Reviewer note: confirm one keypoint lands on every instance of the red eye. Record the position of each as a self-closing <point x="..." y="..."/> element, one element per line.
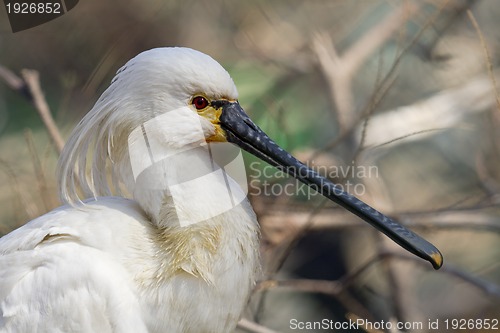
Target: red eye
<point x="200" y="102"/>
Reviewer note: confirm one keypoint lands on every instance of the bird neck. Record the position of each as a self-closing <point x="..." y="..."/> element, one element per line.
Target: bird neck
<point x="190" y="250"/>
<point x="186" y="187"/>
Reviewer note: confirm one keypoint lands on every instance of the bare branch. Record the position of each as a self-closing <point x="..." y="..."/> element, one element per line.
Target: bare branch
<point x="29" y="87"/>
<point x="486" y="55"/>
<point x="484" y="285"/>
<point x="12" y="80"/>
<point x="279" y="227"/>
<point x="337" y="289"/>
<point x="357" y="54"/>
<point x="32" y="79"/>
<point x="340" y="70"/>
<point x="253" y="327"/>
<point x="442" y="111"/>
<point x="24" y="198"/>
<point x="41" y="179"/>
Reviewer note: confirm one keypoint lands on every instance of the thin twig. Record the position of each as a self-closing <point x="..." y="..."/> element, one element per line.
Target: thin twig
<point x="299" y="234"/>
<point x="375" y="101"/>
<point x="393" y="279"/>
<point x="378" y="78"/>
<point x="29" y="88"/>
<point x="279" y="225"/>
<point x="337" y="289"/>
<point x="286" y="247"/>
<point x="32" y="79"/>
<point x="339" y="70"/>
<point x="486" y="55"/>
<point x="385" y="83"/>
<point x="483" y="285"/>
<point x="12" y="80"/>
<point x="27" y="203"/>
<point x="253" y="327"/>
<point x="38" y="170"/>
<point x="332" y="288"/>
<point x="485" y="180"/>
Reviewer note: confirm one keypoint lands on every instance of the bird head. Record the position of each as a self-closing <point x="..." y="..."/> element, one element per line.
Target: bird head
<point x="191" y="100"/>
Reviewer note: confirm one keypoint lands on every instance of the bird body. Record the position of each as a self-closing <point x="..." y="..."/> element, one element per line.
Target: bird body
<point x="106" y="268"/>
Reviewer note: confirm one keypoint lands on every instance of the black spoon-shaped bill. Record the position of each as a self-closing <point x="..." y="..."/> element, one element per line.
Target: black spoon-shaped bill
<point x="241" y="130"/>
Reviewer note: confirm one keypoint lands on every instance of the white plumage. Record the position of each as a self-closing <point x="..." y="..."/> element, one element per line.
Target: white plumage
<point x="118" y="265"/>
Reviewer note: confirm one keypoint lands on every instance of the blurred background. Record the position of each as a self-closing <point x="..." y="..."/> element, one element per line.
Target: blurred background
<point x="397" y="101"/>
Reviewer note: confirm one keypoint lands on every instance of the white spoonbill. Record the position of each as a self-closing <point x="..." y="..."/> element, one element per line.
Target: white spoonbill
<point x="176" y="257"/>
